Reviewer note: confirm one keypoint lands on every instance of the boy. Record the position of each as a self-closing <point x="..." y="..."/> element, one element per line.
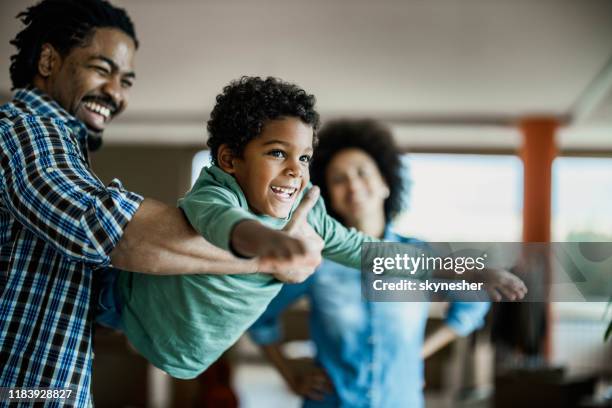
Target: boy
<point x="262" y="134"/>
<point x="261" y="139"/>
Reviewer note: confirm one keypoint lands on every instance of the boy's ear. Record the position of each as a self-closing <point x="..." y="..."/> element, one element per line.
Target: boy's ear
<point x="225" y="159"/>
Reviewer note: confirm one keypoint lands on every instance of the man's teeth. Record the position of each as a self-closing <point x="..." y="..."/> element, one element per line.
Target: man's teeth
<point x="102" y="110"/>
<point x="285" y="191"/>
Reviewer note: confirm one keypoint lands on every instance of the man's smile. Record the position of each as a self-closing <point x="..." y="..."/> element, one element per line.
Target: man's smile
<point x="96" y="112"/>
<point x="99" y="109"/>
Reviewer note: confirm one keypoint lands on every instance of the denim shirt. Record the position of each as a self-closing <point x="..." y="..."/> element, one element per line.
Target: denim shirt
<point x="370" y="350"/>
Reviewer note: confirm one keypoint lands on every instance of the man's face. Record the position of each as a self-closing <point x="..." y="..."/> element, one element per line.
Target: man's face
<point x="93" y="82"/>
<point x="273" y="169"/>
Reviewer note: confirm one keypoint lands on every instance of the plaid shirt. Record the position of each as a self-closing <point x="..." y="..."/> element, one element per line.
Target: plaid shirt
<point x="58" y="224"/>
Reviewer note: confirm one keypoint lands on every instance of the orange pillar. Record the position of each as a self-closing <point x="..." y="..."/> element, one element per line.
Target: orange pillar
<point x="538" y="152"/>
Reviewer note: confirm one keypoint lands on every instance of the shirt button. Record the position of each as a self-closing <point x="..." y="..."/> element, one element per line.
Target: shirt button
<point x="371" y="340"/>
<point x="49" y="169"/>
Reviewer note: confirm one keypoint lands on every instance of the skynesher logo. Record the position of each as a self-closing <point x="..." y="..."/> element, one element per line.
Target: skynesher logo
<point x="420" y="263"/>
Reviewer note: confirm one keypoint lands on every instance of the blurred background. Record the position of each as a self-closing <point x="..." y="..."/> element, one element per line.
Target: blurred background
<point x="504" y="110"/>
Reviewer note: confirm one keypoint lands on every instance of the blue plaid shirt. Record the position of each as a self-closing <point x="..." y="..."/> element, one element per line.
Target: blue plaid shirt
<point x="58" y="224"/>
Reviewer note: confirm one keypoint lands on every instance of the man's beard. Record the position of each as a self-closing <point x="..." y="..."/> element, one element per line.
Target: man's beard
<point x="94" y="139"/>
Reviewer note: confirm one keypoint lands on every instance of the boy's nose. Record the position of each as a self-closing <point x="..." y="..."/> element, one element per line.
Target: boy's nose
<point x="294" y="169"/>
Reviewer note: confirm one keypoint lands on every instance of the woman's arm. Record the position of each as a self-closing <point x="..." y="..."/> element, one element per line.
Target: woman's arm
<point x="437" y="340"/>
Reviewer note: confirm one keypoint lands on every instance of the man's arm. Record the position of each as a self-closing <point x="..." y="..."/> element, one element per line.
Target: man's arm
<point x="159" y="240"/>
<point x="48" y="187"/>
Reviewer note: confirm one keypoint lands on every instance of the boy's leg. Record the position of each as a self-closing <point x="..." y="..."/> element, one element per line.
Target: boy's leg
<point x="107" y="299"/>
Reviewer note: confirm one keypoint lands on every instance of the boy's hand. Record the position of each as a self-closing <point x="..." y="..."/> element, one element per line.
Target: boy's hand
<point x="502" y="284"/>
<point x="293" y="254"/>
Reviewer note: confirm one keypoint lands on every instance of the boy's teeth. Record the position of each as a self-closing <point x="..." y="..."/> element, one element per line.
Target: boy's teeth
<point x="283" y="190"/>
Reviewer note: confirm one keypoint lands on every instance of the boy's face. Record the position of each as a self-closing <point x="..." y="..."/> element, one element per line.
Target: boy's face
<point x="273" y="169"/>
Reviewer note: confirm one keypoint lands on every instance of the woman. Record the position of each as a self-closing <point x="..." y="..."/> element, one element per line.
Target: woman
<point x="370" y="354"/>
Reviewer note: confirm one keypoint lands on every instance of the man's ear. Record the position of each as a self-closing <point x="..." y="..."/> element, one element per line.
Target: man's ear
<point x="48" y="60"/>
<point x="225" y="159"/>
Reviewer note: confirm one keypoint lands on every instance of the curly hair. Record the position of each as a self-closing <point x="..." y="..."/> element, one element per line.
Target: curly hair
<point x="64" y="24"/>
<point x="245" y="105"/>
<point x="374" y="139"/>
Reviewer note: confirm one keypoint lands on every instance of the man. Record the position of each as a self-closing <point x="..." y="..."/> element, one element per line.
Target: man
<point x="60" y="227"/>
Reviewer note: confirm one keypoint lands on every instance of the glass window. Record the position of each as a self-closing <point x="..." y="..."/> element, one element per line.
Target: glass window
<point x="461" y="197"/>
<point x="582" y="199"/>
<point x="201" y="159"/>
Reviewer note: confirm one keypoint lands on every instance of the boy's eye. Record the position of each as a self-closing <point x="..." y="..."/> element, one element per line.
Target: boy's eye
<point x="306" y="158"/>
<point x="277" y="153"/>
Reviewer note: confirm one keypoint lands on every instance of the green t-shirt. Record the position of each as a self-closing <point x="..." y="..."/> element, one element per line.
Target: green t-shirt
<point x="182" y="324"/>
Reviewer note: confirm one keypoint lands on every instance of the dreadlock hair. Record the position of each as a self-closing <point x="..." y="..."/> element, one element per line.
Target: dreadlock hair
<point x="64" y="24"/>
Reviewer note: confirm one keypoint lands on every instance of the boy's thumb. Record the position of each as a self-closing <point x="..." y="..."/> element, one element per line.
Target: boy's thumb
<point x="301" y="212"/>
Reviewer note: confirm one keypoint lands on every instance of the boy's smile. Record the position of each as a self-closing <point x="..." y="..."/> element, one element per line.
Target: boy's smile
<point x="273" y="169"/>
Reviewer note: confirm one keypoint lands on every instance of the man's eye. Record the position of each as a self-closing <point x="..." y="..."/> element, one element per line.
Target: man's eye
<point x="277" y="153"/>
<point x="101" y="70"/>
<point x="126" y="83"/>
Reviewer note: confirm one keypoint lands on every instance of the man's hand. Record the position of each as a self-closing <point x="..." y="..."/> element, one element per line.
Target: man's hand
<point x="502" y="284"/>
<point x="293" y="254"/>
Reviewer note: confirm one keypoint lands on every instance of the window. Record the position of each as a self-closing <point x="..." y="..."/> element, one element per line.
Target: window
<point x="201" y="159"/>
<point x="582" y="199"/>
<point x="461" y="197"/>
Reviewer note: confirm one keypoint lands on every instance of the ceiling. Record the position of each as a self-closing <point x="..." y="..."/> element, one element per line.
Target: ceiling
<point x="447" y="73"/>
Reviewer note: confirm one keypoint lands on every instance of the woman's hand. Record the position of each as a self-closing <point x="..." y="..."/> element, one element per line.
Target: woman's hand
<point x="308" y="380"/>
<point x="301" y="375"/>
<point x="501" y="284"/>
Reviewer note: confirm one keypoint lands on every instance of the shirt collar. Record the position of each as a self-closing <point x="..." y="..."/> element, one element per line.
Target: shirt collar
<point x="388" y="234"/>
<point x="43" y="105"/>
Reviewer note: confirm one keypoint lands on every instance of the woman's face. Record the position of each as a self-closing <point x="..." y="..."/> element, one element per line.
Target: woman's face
<point x="356" y="188"/>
